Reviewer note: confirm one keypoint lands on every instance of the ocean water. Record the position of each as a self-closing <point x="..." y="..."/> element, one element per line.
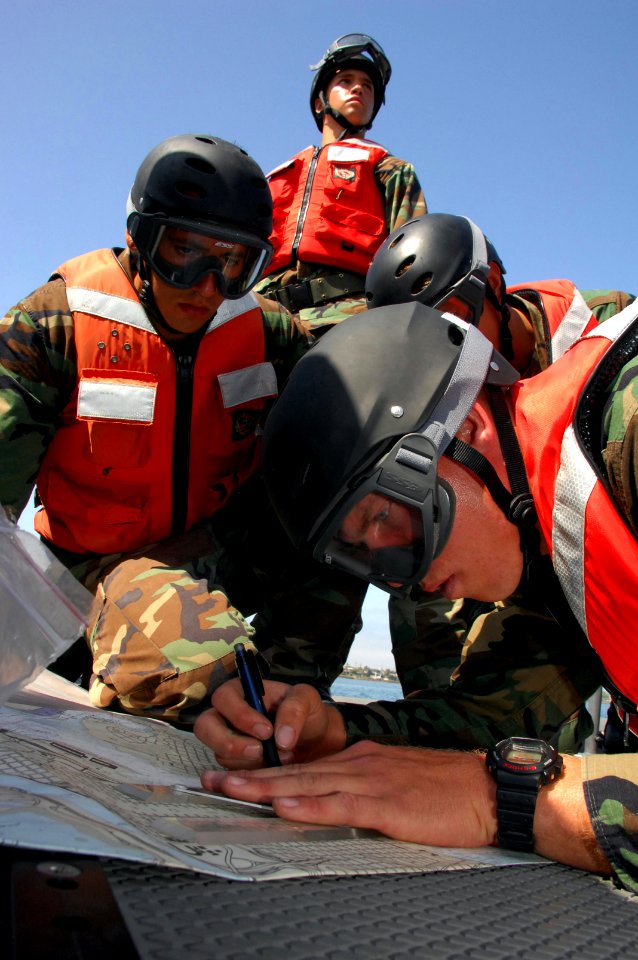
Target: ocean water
<point x="366" y="689"/>
<point x="370" y="690"/>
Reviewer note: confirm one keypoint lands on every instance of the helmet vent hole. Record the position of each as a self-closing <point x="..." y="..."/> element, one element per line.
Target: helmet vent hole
<point x="421" y="284"/>
<point x="201" y="166"/>
<point x="205" y="140"/>
<point x="404" y="266"/>
<point x="190" y="190"/>
<point x="455" y="335"/>
<point x="395" y="241"/>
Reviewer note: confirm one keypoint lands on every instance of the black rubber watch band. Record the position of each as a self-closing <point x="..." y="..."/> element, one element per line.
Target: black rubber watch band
<point x="515" y="808"/>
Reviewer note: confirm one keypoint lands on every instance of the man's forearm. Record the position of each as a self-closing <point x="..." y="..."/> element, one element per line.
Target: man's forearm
<point x="562" y="828"/>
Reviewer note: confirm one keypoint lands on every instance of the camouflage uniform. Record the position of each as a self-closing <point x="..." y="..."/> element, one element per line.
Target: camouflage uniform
<point x="166" y="624"/>
<point x="611" y="782"/>
<point x="404" y="200"/>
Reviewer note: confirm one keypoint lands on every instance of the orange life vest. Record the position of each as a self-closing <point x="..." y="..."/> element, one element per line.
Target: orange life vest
<point x="328" y="208"/>
<point x="593" y="550"/>
<point x="566" y="315"/>
<point x="108" y="477"/>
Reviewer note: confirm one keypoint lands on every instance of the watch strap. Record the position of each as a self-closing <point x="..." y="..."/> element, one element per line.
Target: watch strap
<point x="515" y="806"/>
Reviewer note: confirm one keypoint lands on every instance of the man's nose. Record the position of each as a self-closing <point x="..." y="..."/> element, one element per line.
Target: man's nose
<point x="207" y="286"/>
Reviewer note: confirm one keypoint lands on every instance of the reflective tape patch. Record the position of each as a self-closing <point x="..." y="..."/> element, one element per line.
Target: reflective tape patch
<point x="571" y="326"/>
<point x="230" y="309"/>
<point x="251" y="383"/>
<point x="109" y="307"/>
<point x="339" y="154"/>
<point x="114" y="400"/>
<point x="574" y="484"/>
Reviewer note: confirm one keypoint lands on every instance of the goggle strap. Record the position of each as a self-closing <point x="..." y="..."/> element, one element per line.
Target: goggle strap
<point x="479" y="247"/>
<point x="461" y="392"/>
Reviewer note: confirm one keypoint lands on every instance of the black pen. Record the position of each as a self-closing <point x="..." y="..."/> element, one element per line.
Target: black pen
<point x="253" y="687"/>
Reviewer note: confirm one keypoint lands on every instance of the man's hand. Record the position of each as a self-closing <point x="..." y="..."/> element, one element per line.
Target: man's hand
<point x="305" y="727"/>
<point x="437" y="797"/>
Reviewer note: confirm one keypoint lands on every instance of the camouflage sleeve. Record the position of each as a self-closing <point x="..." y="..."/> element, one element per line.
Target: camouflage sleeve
<point x="427" y="639"/>
<point x="399" y="185"/>
<point x="37" y="375"/>
<point x="607" y="303"/>
<point x="516" y="676"/>
<point x="620" y="427"/>
<point x="309" y="612"/>
<point x="611" y="792"/>
<point x="286" y="339"/>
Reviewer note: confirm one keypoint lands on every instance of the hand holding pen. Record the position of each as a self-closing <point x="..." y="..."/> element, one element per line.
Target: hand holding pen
<point x="253" y="688"/>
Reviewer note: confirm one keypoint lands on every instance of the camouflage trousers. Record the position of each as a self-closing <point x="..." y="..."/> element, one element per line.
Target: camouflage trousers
<point x="169" y="615"/>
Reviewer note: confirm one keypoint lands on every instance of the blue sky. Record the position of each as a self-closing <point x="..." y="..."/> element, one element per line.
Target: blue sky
<point x="519" y="115"/>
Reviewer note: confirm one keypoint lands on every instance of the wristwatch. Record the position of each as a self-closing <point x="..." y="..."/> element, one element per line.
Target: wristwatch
<point x="520" y="766"/>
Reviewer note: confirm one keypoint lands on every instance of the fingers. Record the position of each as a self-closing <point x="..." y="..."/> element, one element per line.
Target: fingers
<point x="233" y="729"/>
<point x="299" y="716"/>
<point x="323" y="795"/>
<point x="232" y="749"/>
<point x="304" y="726"/>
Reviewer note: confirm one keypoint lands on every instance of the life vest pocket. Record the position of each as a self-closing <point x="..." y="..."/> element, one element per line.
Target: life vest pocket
<point x="119" y="415"/>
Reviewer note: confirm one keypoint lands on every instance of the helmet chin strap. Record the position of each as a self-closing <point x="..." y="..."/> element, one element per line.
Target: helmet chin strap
<point x="517" y="505"/>
<point x="348" y="129"/>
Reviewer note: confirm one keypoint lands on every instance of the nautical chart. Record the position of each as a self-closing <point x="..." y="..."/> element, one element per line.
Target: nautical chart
<point x="88" y="781"/>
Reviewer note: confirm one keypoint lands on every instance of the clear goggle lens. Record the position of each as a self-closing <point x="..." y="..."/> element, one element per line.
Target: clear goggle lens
<point x="380" y="540"/>
<point x="183" y="257"/>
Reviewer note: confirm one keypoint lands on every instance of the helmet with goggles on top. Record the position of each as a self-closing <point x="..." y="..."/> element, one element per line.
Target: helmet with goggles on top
<point x="353" y="50"/>
<point x="362" y="423"/>
<point x="202" y="186"/>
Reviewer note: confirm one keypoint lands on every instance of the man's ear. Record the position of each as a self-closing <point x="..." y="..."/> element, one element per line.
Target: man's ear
<point x="129" y="242"/>
<point x="478" y="429"/>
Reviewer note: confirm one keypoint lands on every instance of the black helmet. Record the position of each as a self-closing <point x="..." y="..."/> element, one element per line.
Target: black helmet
<point x="356" y="50"/>
<point x="205" y="185"/>
<point x="430" y="259"/>
<point x="370" y="409"/>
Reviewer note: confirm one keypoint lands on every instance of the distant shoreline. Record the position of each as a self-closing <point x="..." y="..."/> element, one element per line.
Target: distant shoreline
<point x="369" y="673"/>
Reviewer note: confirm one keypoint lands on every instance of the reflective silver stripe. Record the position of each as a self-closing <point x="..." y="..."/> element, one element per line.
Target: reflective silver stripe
<point x="574" y="483"/>
<point x="109" y="307"/>
<point x="571" y="326"/>
<point x="338" y="153"/>
<point x="614" y="327"/>
<point x="122" y="310"/>
<point x="251" y="383"/>
<point x="110" y="400"/>
<point x="231" y="309"/>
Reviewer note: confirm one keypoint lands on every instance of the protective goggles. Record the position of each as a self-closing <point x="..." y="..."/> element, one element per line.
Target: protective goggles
<point x="182" y="256"/>
<point x="395" y="524"/>
<point x="352" y="44"/>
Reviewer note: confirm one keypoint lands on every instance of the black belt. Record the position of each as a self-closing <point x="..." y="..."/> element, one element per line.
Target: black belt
<point x="311" y="293"/>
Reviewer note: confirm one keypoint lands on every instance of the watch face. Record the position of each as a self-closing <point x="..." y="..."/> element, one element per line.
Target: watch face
<point x="521" y="752"/>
